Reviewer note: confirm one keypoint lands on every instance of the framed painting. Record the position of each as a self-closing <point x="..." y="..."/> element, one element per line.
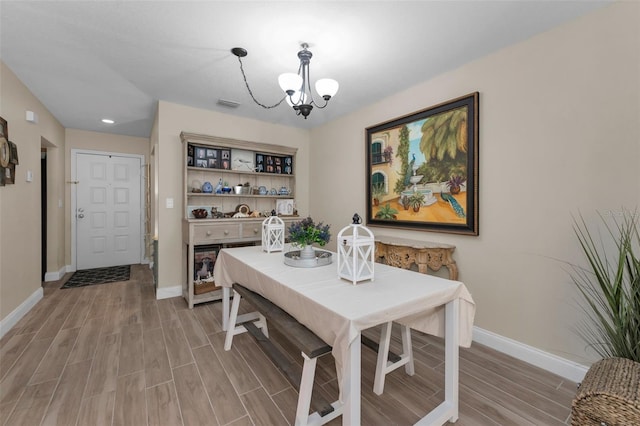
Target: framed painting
<point x="422" y="169"/>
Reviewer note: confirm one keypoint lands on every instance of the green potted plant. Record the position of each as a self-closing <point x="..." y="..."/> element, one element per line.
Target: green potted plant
<point x="387" y="212"/>
<point x="454" y="184"/>
<point x="610" y="286"/>
<point x="305" y="233"/>
<point x="416" y="200"/>
<point x="377" y="192"/>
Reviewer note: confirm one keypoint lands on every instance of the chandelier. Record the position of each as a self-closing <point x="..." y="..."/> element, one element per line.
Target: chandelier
<point x="297" y="87"/>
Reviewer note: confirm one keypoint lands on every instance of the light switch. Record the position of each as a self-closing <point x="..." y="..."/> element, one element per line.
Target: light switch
<point x="169" y="203"/>
<point x="29" y="175"/>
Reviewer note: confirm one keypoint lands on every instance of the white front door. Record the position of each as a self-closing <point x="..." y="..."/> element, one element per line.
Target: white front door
<point x="107" y="210"/>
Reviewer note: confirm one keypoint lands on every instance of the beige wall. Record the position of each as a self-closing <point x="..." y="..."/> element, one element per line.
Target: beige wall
<point x="20" y="227"/>
<point x="559" y="135"/>
<point x="173" y="119"/>
<point x="95" y="141"/>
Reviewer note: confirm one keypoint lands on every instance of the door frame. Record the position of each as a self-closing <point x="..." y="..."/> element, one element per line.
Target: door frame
<point x="74" y="159"/>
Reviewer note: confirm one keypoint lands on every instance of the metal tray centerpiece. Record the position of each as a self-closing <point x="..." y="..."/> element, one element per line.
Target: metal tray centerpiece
<point x="303" y="234"/>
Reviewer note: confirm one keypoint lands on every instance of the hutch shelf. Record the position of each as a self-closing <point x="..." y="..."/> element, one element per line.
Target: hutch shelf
<point x="248" y="180"/>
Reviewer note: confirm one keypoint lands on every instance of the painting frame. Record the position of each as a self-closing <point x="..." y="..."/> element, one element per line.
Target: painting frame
<point x="422" y="169"/>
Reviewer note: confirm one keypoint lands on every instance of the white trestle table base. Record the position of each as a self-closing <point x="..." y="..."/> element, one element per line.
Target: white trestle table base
<point x="337" y="311"/>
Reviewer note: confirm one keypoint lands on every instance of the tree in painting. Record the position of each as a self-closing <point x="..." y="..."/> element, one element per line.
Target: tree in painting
<point x="403" y="154"/>
<point x="444" y="145"/>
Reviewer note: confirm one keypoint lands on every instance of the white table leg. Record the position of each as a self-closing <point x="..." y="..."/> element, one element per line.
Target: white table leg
<point x="383" y="357"/>
<point x="226" y="295"/>
<point x="447" y="411"/>
<point x="232" y="321"/>
<point x="407" y="350"/>
<point x="451" y="354"/>
<point x="351" y="385"/>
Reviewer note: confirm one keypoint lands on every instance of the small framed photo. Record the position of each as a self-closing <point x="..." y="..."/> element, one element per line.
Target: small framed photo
<point x="190" y="150"/>
<point x="242" y="160"/>
<point x="225" y="164"/>
<point x="212" y="153"/>
<point x="201" y="153"/>
<point x="284" y="207"/>
<point x="204" y="257"/>
<point x="225" y="154"/>
<point x="213" y="163"/>
<point x="202" y="163"/>
<point x="190" y="161"/>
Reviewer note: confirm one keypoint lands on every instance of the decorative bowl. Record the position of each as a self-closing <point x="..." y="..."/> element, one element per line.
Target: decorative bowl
<point x="199" y="213"/>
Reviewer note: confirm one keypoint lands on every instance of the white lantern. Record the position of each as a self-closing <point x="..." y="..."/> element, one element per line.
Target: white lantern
<point x="272" y="234"/>
<point x="356" y="248"/>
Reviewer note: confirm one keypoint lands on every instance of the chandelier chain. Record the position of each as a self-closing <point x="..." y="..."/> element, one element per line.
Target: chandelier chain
<point x="251" y="93"/>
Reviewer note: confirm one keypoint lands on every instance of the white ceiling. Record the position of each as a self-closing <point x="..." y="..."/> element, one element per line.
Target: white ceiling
<point x="93" y="59"/>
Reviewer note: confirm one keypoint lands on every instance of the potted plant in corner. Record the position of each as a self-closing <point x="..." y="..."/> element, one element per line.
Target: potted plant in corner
<point x="610" y="289"/>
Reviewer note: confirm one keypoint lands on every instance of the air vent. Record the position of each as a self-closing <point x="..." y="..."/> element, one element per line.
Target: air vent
<point x="229" y="104"/>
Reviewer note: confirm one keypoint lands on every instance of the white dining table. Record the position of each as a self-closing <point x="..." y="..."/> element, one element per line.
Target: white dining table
<point x="337" y="311"/>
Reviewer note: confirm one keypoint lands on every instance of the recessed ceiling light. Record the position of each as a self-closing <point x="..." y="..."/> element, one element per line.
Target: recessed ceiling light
<point x="108" y="121"/>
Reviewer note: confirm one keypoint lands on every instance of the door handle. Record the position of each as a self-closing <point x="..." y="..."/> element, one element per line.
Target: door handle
<point x="80" y="215"/>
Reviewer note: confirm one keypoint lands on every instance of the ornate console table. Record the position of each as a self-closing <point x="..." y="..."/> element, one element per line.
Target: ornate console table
<point x="402" y="253"/>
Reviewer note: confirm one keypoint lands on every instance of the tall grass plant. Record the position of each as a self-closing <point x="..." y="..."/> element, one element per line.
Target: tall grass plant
<point x="610" y="285"/>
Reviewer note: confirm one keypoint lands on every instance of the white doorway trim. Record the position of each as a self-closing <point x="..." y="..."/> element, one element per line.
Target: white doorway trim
<point x="74" y="157"/>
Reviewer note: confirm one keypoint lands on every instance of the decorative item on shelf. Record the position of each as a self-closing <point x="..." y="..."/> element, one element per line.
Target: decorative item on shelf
<point x="246" y="188"/>
<point x="237" y="189"/>
<point x="215" y="214"/>
<point x="284" y="207"/>
<point x="196" y="186"/>
<point x="304" y="234"/>
<point x="199" y="213"/>
<point x="356" y="249"/>
<point x="219" y="187"/>
<point x="262" y="190"/>
<point x="272" y="234"/>
<point x="283" y="191"/>
<point x="243" y="208"/>
<point x="226" y="189"/>
<point x="207" y="188"/>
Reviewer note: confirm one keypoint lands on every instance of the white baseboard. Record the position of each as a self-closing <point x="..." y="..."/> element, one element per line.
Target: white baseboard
<point x="10" y="320"/>
<point x="167" y="292"/>
<point x="55" y="276"/>
<point x="555" y="364"/>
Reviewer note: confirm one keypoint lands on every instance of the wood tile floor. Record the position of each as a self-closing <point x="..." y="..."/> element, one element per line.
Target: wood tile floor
<point x="112" y="354"/>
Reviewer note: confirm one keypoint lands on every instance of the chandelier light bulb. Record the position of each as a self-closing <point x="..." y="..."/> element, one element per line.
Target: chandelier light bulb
<point x="290" y="82"/>
<point x="327" y="88"/>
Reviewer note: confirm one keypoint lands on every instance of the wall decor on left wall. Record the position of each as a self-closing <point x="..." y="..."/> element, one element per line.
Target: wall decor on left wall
<point x="8" y="155"/>
<point x="5" y="150"/>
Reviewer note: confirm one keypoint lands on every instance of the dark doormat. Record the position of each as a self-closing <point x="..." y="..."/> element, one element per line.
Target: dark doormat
<point x="98" y="276"/>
